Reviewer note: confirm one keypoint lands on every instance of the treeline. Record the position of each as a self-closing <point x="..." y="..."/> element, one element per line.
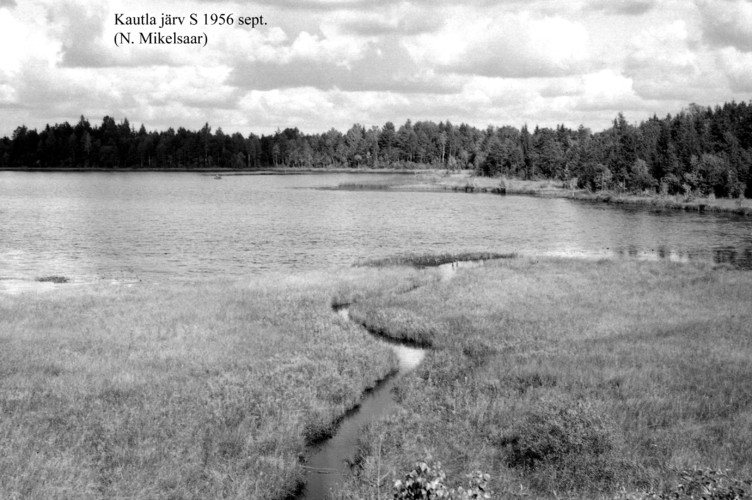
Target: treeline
<point x="700" y="150"/>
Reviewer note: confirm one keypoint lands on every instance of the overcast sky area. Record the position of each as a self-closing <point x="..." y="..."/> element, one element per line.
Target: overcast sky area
<point x="319" y="64"/>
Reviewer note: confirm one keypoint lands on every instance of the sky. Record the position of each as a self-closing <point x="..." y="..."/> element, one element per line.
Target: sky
<point x="322" y="64"/>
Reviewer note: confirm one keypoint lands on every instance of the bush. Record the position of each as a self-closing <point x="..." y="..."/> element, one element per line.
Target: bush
<point x="710" y="484"/>
<point x="706" y="484"/>
<point x="426" y="482"/>
<point x="562" y="447"/>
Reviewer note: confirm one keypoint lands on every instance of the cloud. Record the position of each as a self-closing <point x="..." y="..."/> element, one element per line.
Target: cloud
<point x="606" y="90"/>
<point x="726" y="23"/>
<point x="380" y="66"/>
<point x="378" y="5"/>
<point x="40" y="87"/>
<point x="79" y="29"/>
<point x="192" y="87"/>
<point x="738" y="69"/>
<point x="378" y="25"/>
<point x="623" y="7"/>
<point x="521" y="46"/>
<point x="330" y="63"/>
<point x="26" y="42"/>
<point x="85" y="33"/>
<point x="661" y="62"/>
<point x="325" y="5"/>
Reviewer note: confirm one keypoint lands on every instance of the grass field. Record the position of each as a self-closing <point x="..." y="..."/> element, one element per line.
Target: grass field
<point x="564" y="378"/>
<point x="182" y="390"/>
<point x="559" y="378"/>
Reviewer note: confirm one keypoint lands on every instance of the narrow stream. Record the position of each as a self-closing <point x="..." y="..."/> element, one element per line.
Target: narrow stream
<point x="328" y="466"/>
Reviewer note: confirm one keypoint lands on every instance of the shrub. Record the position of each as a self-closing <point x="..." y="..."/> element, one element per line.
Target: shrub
<point x="706" y="484"/>
<point x="426" y="482"/>
<point x="710" y="484"/>
<point x="562" y="447"/>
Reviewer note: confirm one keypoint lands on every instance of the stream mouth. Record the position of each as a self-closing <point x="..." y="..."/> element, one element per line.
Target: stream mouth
<point x="449" y="270"/>
<point x="330" y="463"/>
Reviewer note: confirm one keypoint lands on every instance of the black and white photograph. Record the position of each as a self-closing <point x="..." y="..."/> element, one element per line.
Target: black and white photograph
<point x="375" y="250"/>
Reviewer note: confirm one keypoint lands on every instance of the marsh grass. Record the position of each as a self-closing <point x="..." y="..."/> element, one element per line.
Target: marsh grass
<point x="180" y="390"/>
<point x="700" y="204"/>
<point x="432" y="260"/>
<point x="466" y="181"/>
<point x="364" y="186"/>
<point x="564" y="378"/>
<point x="462" y="181"/>
<point x="396" y="323"/>
<point x="559" y="378"/>
<point x="52" y="279"/>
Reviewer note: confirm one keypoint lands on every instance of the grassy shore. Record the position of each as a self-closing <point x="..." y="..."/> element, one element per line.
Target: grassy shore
<point x="694" y="204"/>
<point x="183" y="390"/>
<point x="569" y="378"/>
<point x="462" y="180"/>
<point x="433" y="260"/>
<point x="466" y="181"/>
<point x="560" y="378"/>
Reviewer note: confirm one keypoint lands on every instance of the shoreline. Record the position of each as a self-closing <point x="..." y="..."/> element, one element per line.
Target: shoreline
<point x="720" y="205"/>
<point x="226" y="171"/>
<point x="433" y="180"/>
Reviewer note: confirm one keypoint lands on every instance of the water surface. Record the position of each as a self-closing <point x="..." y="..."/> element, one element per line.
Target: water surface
<point x="154" y="226"/>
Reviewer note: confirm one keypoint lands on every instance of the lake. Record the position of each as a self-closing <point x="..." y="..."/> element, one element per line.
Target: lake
<point x="153" y="226"/>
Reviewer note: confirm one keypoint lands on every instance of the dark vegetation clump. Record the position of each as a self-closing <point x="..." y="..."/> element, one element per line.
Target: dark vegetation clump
<point x="527" y="381"/>
<point x="53" y="279"/>
<point x="432" y="260"/>
<point x="363" y="186"/>
<point x="705" y="484"/>
<point x="318" y="429"/>
<point x="563" y="448"/>
<point x="428" y="481"/>
<point x="478" y="351"/>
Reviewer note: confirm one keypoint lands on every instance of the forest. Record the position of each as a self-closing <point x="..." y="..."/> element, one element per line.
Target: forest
<point x="700" y="150"/>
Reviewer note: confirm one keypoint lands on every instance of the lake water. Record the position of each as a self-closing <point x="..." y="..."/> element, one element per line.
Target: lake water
<point x="156" y="226"/>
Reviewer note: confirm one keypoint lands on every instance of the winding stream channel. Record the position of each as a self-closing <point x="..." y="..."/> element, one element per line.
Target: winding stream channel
<point x="328" y="465"/>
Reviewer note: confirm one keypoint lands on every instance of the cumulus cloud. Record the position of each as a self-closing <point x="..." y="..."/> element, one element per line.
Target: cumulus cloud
<point x="380" y="66"/>
<point x="737" y="66"/>
<point x="375" y="6"/>
<point x="521" y="46"/>
<point x="80" y="30"/>
<point x="623" y="7"/>
<point x="380" y="25"/>
<point x="86" y="33"/>
<point x="661" y="61"/>
<point x="606" y="90"/>
<point x="727" y="23"/>
<point x="329" y="63"/>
